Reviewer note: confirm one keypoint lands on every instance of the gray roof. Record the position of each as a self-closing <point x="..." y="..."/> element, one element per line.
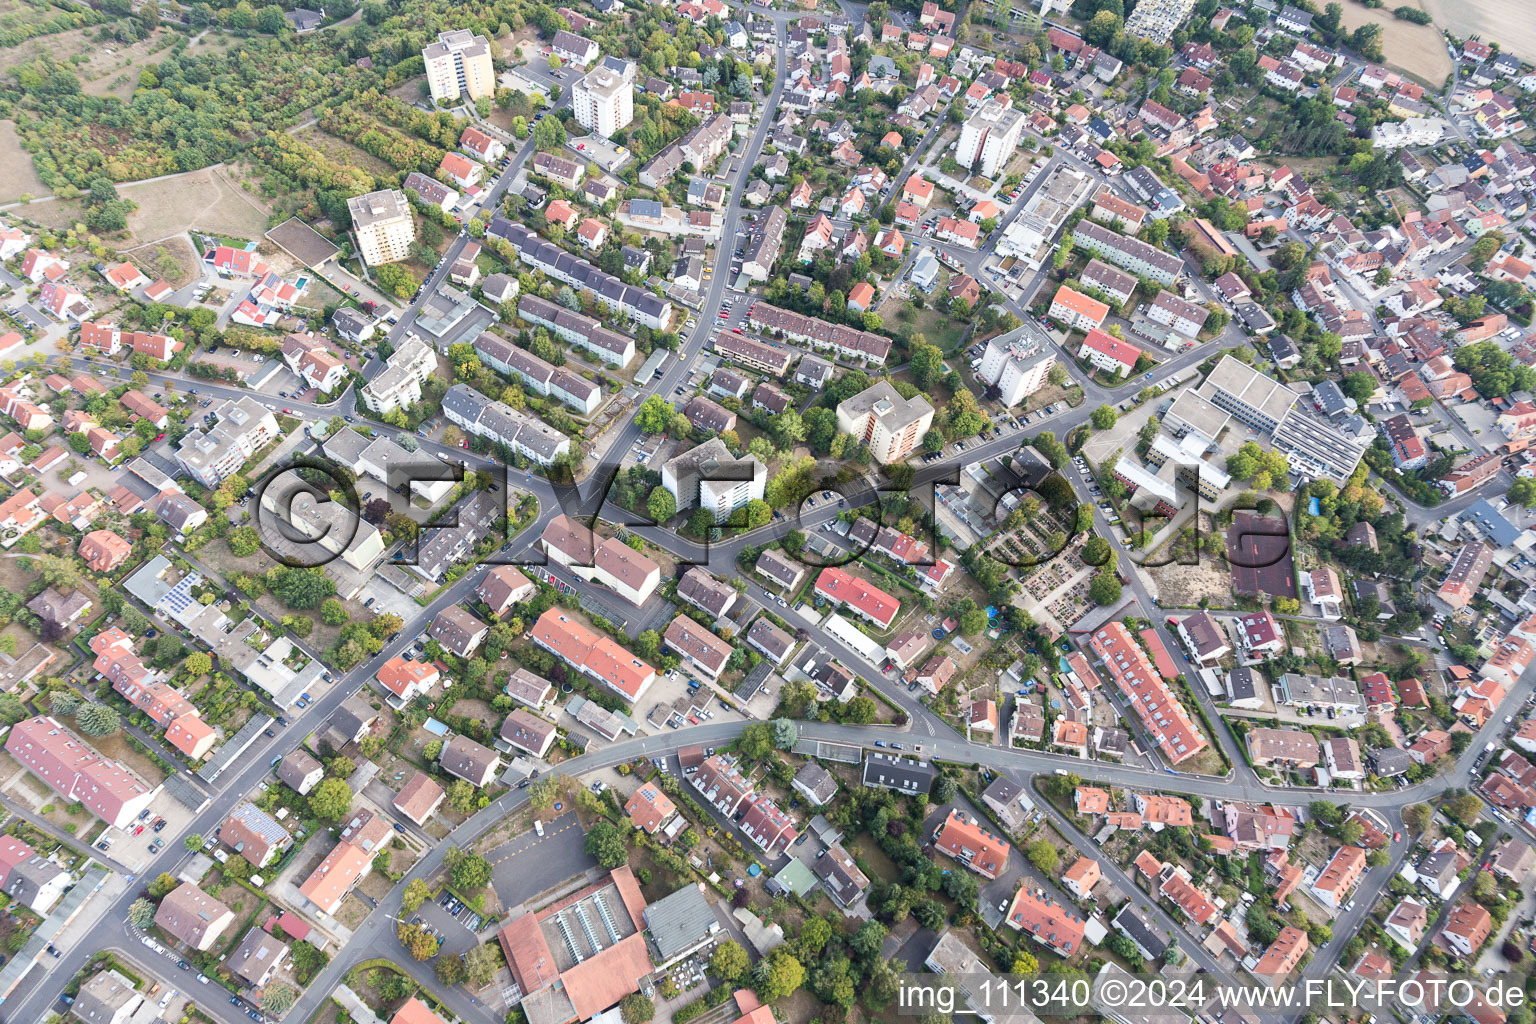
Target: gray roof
<point x="1390" y="761"/>
<point x="1490" y="522"/>
<point x="297" y="766"/>
<point x="349" y="719"/>
<point x="1140" y="931"/>
<point x="902" y="774"/>
<point x="346" y="445"/>
<point x="256" y="956"/>
<point x="817" y="780"/>
<point x="680" y="921"/>
<point x="535" y="251"/>
<point x="102" y="996"/>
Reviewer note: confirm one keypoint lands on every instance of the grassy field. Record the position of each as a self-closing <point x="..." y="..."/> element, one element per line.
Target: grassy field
<point x="1415" y="50"/>
<point x="1506" y="22"/>
<point x="202" y="199"/>
<point x="157" y="258"/>
<point x="17" y="176"/>
<point x="342" y="151"/>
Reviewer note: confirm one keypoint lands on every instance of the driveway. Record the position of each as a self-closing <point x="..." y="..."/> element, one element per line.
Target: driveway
<point x="527" y="865"/>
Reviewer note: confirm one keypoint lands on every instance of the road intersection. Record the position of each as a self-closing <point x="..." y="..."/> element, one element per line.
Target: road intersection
<point x="938" y="740"/>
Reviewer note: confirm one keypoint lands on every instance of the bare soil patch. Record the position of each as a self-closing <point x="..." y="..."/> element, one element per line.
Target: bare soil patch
<point x="159" y="258"/>
<point x="204" y="200"/>
<point x="1419" y="50"/>
<point x="118" y="748"/>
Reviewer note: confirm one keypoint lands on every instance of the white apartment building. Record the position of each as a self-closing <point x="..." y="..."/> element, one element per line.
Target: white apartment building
<point x="989" y="136"/>
<point x="242" y="426"/>
<point x="890" y="425"/>
<point x="710" y="477"/>
<point x="398" y="385"/>
<point x="384" y="226"/>
<point x="604" y="101"/>
<point x="1017" y="365"/>
<point x="459" y="66"/>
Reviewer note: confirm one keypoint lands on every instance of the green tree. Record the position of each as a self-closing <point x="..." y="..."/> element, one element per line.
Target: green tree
<point x="605" y="843"/>
<point x="1043" y="856"/>
<point x="1103" y="418"/>
<point x="420" y="943"/>
<point x="192" y="841"/>
<point x="278" y="997"/>
<point x="661" y="504"/>
<point x="197" y="664"/>
<point x="549" y="135"/>
<point x="92" y="718"/>
<point x="333" y="612"/>
<point x="654" y="415"/>
<point x="756" y="741"/>
<point x="729" y="962"/>
<point x="1523" y="491"/>
<point x="416" y="893"/>
<point x="636" y="1009"/>
<point x="1104" y="588"/>
<point x="469" y="872"/>
<point x="141" y="913"/>
<point x="778" y="975"/>
<point x="331" y="800"/>
<point x="482" y="963"/>
<point x="243" y="541"/>
<point x="927" y="363"/>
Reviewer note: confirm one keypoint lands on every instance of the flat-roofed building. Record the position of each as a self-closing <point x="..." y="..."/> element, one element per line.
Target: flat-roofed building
<point x="710" y="477"/>
<point x="604" y="101"/>
<point x="1016" y="365"/>
<point x="459" y="66"/>
<point x="384" y="226"/>
<point x="890" y="425"/>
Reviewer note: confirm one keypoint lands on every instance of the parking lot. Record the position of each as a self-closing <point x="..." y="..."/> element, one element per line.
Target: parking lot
<point x="450" y="920"/>
<point x="528" y="864"/>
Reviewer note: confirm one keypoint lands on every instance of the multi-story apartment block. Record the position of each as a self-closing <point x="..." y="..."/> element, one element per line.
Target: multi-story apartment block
<point x="547" y="379"/>
<point x="384" y="226"/>
<point x="1128" y="253"/>
<point x="604" y="101"/>
<point x="1077" y="311"/>
<point x="581" y="331"/>
<point x="636" y="303"/>
<point x="989" y="137"/>
<point x="459" y="66"/>
<point x="242" y="426"/>
<point x="109" y="790"/>
<point x="1017" y="365"/>
<point x="891" y="426"/>
<point x="848" y="342"/>
<point x="398" y="385"/>
<point x="710" y="477"/>
<point x="531" y="438"/>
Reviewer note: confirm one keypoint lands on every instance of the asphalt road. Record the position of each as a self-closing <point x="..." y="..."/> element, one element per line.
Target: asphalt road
<point x="33" y="999"/>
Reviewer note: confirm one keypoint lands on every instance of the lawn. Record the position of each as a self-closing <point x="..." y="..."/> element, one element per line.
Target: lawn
<point x="17" y="175"/>
<point x="931" y="322"/>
